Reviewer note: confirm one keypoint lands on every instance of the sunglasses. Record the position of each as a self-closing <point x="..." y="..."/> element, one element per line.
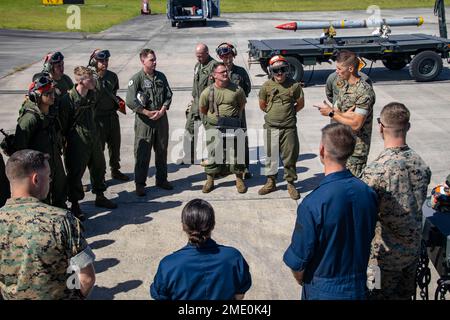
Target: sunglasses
<point x="223" y="51"/>
<point x="280" y="70"/>
<point x="102" y="55"/>
<point x="42" y="82"/>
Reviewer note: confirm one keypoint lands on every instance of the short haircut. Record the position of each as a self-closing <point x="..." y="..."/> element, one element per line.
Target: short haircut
<point x="348" y="58"/>
<point x="145" y="52"/>
<point x="198" y="220"/>
<point x="218" y="64"/>
<point x="396" y="117"/>
<point x="25" y="162"/>
<point x="339" y="141"/>
<point x="82" y="73"/>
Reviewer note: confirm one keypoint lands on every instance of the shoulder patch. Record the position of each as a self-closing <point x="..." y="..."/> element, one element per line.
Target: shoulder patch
<point x="130" y="83"/>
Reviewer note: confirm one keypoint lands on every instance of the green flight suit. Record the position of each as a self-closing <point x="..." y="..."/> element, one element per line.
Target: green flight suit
<point x="61" y="87"/>
<point x="42" y="132"/>
<point x="83" y="144"/>
<point x="4" y="183"/>
<point x="150" y="133"/>
<point x="194" y="117"/>
<point x="107" y="118"/>
<point x="239" y="76"/>
<point x="229" y="101"/>
<point x="281" y="126"/>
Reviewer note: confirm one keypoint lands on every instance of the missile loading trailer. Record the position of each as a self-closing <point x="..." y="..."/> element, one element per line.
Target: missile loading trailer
<point x="423" y="53"/>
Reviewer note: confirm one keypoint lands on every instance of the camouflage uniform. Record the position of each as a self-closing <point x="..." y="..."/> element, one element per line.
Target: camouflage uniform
<point x="37" y="244"/>
<point x="362" y="96"/>
<point x="239" y="76"/>
<point x="83" y="144"/>
<point x="107" y="118"/>
<point x="281" y="125"/>
<point x="228" y="102"/>
<point x="194" y="117"/>
<point x="400" y="178"/>
<point x="42" y="132"/>
<point x="4" y="183"/>
<point x="150" y="133"/>
<point x="334" y="84"/>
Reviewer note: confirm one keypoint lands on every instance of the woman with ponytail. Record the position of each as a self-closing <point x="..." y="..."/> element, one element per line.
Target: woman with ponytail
<point x="203" y="269"/>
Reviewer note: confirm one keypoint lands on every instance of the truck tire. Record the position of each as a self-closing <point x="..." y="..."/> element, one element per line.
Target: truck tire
<point x="394" y="62"/>
<point x="296" y="67"/>
<point x="264" y="64"/>
<point x="425" y="66"/>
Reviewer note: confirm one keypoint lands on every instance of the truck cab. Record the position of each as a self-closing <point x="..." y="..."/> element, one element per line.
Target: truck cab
<point x="192" y="10"/>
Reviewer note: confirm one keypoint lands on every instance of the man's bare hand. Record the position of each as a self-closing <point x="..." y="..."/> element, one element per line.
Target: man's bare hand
<point x="325" y="108"/>
<point x="158" y="114"/>
<point x="149" y="114"/>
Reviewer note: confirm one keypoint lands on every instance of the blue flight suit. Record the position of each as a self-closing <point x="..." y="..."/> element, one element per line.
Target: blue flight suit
<point x="209" y="272"/>
<point x="332" y="236"/>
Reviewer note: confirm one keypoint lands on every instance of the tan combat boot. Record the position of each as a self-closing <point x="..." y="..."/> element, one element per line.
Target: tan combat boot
<point x="240" y="185"/>
<point x="209" y="185"/>
<point x="270" y="186"/>
<point x="293" y="193"/>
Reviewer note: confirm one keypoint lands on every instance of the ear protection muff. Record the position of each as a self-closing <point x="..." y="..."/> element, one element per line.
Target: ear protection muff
<point x="33" y="95"/>
<point x="47" y="66"/>
<point x="92" y="60"/>
<point x="225" y="48"/>
<point x="96" y="55"/>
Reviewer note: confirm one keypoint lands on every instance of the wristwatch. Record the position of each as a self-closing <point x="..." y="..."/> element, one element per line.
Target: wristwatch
<point x="331" y="114"/>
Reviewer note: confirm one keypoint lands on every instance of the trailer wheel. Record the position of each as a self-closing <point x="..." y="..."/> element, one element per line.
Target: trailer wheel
<point x="394" y="63"/>
<point x="296" y="68"/>
<point x="425" y="66"/>
<point x="264" y="64"/>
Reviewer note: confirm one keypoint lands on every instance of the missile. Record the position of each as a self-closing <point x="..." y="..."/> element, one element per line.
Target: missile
<point x="344" y="24"/>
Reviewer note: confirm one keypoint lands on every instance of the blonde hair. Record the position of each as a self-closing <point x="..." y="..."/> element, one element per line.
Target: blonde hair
<point x="81" y="73"/>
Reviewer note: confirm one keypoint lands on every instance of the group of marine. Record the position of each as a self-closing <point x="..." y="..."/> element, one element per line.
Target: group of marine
<point x="77" y="121"/>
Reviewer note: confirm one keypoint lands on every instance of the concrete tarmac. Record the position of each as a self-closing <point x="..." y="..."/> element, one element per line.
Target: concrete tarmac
<point x="130" y="241"/>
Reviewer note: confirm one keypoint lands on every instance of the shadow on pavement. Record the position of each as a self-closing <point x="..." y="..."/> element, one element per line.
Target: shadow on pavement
<point x="310" y="183"/>
<point x="103" y="293"/>
<point x="101" y="244"/>
<point x="103" y="222"/>
<point x="104" y="264"/>
<point x="210" y="23"/>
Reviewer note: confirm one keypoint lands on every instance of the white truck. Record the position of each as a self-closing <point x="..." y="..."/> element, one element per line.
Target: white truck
<point x="192" y="10"/>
